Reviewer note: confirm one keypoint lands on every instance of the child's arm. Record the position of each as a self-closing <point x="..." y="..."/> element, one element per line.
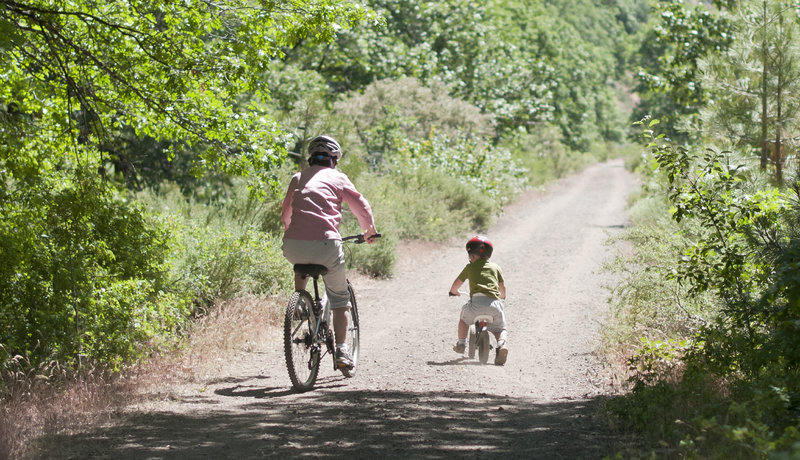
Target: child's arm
<point x="454" y="288"/>
<point x="502" y="291"/>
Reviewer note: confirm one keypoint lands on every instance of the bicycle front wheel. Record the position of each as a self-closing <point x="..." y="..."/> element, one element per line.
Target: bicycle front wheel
<point x="300" y="347"/>
<point x="472" y="340"/>
<point x="352" y="333"/>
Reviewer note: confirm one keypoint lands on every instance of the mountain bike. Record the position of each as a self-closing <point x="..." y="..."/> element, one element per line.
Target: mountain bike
<point x="307" y="328"/>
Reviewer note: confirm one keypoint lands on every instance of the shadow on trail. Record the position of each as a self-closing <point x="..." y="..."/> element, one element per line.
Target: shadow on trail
<point x="277" y="422"/>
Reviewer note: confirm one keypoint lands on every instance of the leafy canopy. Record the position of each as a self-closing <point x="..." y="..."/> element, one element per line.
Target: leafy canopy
<point x="82" y="70"/>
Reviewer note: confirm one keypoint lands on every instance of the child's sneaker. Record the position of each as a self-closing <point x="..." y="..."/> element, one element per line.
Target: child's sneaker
<point x="459" y="347"/>
<point x="502" y="354"/>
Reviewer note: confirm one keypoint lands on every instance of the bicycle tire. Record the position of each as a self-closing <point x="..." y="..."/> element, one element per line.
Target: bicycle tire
<point x="471" y="343"/>
<point x="352" y="334"/>
<point x="302" y="357"/>
<point x="483" y="347"/>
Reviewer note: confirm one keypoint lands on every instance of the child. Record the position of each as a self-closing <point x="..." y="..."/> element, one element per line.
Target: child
<point x="486" y="290"/>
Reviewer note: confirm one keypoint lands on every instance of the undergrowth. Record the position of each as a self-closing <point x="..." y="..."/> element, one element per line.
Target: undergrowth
<point x="704" y="325"/>
<point x="45" y="401"/>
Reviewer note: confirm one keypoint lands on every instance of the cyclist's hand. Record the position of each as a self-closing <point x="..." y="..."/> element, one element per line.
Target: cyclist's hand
<point x="369" y="234"/>
<point x="454" y="294"/>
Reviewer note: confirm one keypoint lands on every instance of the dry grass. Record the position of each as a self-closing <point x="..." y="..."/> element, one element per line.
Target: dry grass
<point x="236" y="325"/>
<point x="49" y="400"/>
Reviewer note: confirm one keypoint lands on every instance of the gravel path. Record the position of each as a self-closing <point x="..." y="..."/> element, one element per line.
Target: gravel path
<point x="413" y="396"/>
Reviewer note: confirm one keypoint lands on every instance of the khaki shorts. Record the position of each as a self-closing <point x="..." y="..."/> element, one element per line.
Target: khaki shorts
<point x="322" y="252"/>
<point x="485" y="305"/>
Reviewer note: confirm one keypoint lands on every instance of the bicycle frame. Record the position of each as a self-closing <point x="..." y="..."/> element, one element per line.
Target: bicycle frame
<point x="322" y="330"/>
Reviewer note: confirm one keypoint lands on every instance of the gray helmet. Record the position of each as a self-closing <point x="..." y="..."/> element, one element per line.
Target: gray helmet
<point x="325" y="145"/>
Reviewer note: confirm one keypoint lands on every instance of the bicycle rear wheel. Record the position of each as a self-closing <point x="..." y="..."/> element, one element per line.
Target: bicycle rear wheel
<point x="352" y="333"/>
<point x="302" y="353"/>
<point x="483" y="346"/>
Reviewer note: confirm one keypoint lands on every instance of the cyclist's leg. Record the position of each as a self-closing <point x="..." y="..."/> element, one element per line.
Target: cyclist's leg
<point x="340" y="323"/>
<point x="336" y="288"/>
<point x="498" y="325"/>
<point x="463" y="329"/>
<point x="465" y="319"/>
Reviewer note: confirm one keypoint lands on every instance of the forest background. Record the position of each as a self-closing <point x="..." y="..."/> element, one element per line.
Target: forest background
<point x="145" y="147"/>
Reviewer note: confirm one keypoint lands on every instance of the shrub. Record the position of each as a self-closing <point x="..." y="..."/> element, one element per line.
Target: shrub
<point x="84" y="274"/>
<point x="225" y="247"/>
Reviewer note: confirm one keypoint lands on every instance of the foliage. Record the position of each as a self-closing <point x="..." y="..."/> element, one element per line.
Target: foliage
<point x="670" y="50"/>
<point x="84" y="271"/>
<point x="753" y="87"/>
<point x="736" y="391"/>
<point x="447" y="187"/>
<point x="522" y="62"/>
<point x="163" y="69"/>
<point x="649" y="304"/>
<point x="487" y="170"/>
<point x="722" y="256"/>
<point x="391" y="110"/>
<point x="434" y="206"/>
<point x="223" y="248"/>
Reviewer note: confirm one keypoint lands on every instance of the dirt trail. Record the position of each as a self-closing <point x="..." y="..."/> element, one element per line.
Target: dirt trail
<point x="413" y="396"/>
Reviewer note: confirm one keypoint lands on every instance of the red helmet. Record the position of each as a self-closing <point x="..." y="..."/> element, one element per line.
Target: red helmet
<point x="480" y="246"/>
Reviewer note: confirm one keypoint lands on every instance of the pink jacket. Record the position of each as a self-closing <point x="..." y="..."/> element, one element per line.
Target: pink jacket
<point x="312" y="208"/>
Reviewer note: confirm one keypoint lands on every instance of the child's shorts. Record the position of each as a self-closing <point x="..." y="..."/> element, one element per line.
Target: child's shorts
<point x="485" y="305"/>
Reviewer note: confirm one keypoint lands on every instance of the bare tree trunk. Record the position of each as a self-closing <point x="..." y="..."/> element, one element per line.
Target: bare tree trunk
<point x="764" y="114"/>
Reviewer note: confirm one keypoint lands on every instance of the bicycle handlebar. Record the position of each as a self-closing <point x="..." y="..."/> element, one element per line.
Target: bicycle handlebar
<point x="358" y="239"/>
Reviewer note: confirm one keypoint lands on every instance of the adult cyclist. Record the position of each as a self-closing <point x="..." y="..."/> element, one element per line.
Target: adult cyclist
<point x="311" y="214"/>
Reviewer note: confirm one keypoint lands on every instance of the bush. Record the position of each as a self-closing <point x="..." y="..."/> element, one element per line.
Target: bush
<point x="734" y="384"/>
<point x="226" y="247"/>
<point x="85" y="273"/>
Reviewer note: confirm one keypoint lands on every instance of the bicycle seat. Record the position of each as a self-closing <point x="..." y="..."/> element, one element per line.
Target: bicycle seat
<point x="312" y="270"/>
<point x="486" y="318"/>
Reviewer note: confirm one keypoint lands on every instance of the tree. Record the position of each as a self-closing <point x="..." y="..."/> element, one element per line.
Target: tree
<point x="670" y="51"/>
<point x="85" y="270"/>
<point x="754" y="86"/>
<point x="168" y="70"/>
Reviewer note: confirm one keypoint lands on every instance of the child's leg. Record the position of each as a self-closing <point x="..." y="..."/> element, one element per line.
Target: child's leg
<point x="502" y="337"/>
<point x="502" y="348"/>
<point x="463" y="329"/>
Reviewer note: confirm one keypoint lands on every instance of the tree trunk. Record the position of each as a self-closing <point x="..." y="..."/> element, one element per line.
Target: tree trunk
<point x="764" y="114"/>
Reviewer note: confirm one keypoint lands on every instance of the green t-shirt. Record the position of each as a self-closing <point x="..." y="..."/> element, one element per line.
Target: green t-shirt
<point x="484" y="278"/>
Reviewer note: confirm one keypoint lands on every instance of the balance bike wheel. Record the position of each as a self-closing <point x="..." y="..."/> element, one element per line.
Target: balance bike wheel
<point x="471" y="343"/>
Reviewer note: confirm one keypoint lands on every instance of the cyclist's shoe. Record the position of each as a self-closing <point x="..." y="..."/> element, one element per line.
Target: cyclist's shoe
<point x="502" y="354"/>
<point x="343" y="359"/>
<point x="459" y="347"/>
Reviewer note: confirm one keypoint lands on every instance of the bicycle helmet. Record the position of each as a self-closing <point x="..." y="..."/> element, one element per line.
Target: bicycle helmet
<point x="480" y="246"/>
<point x="325" y="145"/>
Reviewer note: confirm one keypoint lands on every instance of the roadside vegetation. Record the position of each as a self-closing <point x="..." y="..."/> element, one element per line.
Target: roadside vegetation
<point x="706" y="319"/>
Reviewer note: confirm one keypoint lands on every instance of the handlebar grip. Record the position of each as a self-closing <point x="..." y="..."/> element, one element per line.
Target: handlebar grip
<point x="360" y="237"/>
